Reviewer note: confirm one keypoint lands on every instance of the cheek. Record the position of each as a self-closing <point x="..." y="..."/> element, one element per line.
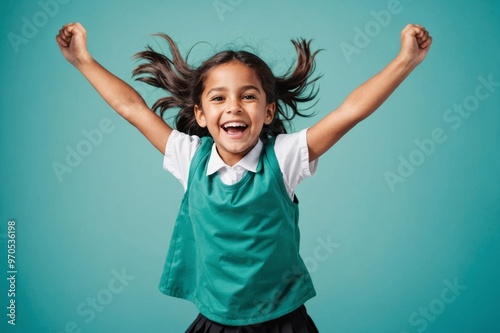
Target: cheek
<point x="211" y="120"/>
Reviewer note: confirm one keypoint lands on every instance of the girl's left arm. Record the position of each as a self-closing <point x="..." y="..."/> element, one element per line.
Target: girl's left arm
<point x="364" y="100"/>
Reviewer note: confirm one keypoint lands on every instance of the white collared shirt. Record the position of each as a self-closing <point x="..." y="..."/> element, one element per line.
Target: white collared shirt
<point x="291" y="152"/>
<point x="232" y="175"/>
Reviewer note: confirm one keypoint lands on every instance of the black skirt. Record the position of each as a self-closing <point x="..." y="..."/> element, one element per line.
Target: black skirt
<point x="297" y="321"/>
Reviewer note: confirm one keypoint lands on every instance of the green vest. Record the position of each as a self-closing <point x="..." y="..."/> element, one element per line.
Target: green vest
<point x="234" y="251"/>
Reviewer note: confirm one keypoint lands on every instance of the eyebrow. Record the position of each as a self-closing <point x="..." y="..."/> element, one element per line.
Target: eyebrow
<point x="247" y="87"/>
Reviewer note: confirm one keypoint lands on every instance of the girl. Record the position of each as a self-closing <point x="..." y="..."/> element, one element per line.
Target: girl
<point x="235" y="247"/>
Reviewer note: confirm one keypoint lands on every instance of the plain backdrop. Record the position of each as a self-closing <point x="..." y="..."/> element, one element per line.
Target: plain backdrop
<point x="408" y="200"/>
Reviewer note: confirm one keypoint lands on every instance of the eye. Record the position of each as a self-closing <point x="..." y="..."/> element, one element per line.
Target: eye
<point x="249" y="97"/>
<point x="217" y="98"/>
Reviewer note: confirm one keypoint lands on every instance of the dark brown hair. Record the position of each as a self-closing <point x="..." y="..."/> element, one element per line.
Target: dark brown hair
<point x="185" y="84"/>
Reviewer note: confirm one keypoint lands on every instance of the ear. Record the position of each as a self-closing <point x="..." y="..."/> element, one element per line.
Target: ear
<point x="200" y="116"/>
<point x="271" y="109"/>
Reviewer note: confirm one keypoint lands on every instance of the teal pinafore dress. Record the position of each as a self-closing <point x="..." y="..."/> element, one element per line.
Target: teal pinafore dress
<point x="234" y="250"/>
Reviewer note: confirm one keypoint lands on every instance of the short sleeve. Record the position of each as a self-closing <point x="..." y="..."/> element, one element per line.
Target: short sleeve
<point x="292" y="154"/>
<point x="179" y="152"/>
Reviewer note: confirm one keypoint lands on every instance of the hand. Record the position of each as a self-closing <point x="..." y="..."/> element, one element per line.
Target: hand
<point x="72" y="40"/>
<point x="415" y="43"/>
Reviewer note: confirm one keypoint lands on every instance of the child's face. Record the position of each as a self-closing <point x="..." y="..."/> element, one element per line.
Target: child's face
<point x="234" y="109"/>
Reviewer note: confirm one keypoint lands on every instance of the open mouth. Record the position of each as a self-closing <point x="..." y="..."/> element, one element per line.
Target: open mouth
<point x="234" y="128"/>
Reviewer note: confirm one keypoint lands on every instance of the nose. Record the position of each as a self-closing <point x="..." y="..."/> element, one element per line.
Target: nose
<point x="233" y="106"/>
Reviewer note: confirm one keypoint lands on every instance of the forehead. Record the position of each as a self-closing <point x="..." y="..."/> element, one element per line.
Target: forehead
<point x="231" y="75"/>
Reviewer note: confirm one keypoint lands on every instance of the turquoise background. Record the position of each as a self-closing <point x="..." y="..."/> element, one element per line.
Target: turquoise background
<point x="395" y="248"/>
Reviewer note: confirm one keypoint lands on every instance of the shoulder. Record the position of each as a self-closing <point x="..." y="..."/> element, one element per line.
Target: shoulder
<point x="180" y="138"/>
<point x="292" y="154"/>
<point x="182" y="143"/>
<point x="290" y="143"/>
<point x="179" y="152"/>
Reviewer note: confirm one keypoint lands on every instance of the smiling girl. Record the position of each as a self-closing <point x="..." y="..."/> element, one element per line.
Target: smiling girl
<point x="234" y="250"/>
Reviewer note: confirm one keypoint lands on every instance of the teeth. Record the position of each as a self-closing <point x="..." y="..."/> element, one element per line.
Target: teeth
<point x="234" y="124"/>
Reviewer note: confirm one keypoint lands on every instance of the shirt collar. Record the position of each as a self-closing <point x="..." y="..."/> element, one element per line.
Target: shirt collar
<point x="248" y="162"/>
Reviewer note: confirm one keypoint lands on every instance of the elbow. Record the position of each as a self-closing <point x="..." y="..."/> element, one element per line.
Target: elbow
<point x="128" y="109"/>
<point x="351" y="115"/>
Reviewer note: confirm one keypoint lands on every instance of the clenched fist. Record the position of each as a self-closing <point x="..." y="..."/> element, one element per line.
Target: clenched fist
<point x="72" y="40"/>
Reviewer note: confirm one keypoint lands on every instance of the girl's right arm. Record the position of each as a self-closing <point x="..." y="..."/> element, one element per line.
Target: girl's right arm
<point x="119" y="95"/>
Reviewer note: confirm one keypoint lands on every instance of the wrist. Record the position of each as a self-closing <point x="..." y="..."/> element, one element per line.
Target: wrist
<point x="82" y="61"/>
<point x="405" y="62"/>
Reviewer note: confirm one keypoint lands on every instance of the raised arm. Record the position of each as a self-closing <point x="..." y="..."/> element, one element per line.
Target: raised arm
<point x="119" y="95"/>
<point x="365" y="99"/>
